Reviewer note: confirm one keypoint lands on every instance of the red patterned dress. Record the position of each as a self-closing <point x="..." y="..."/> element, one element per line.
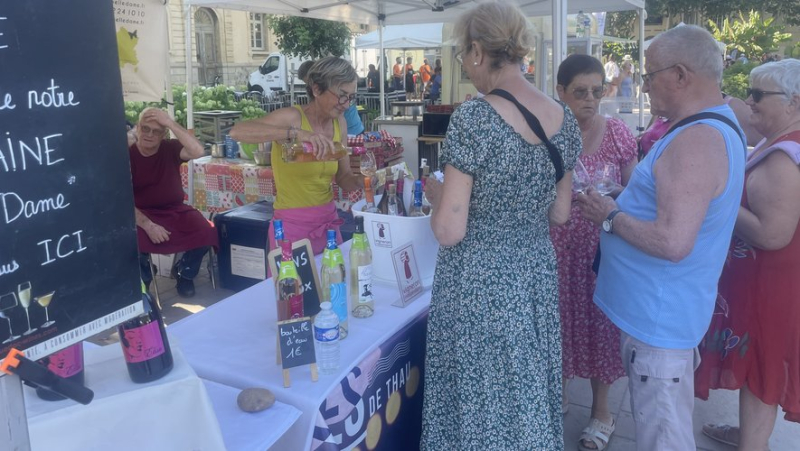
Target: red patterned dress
<point x="754" y="337"/>
<point x="590" y="341"/>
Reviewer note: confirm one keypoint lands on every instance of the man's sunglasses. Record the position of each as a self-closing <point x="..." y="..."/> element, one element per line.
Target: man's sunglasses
<point x="758" y="94"/>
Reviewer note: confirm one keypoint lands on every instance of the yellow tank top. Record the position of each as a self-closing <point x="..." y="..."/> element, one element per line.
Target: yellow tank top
<point x="303" y="184"/>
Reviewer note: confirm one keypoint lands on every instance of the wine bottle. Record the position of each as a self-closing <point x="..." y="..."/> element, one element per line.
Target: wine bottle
<point x="416" y="208"/>
<point x="401" y="205"/>
<point x="426" y="205"/>
<point x="277" y="224"/>
<point x="392" y="206"/>
<point x="303" y="152"/>
<point x="67" y="364"/>
<point x="384" y="202"/>
<point x="290" y="294"/>
<point x="145" y="344"/>
<point x="332" y="279"/>
<point x="369" y="206"/>
<point x="361" y="273"/>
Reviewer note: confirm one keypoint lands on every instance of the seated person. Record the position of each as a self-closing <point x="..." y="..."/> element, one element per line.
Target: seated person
<point x="165" y="225"/>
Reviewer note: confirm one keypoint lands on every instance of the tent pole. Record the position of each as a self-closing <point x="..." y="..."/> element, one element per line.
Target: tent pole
<point x="187" y="10"/>
<point x="167" y="71"/>
<point x="642" y="17"/>
<point x="559" y="18"/>
<point x="383" y="64"/>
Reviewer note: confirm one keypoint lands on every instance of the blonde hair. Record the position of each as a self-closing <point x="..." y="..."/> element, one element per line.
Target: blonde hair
<point x="500" y="28"/>
<point x="329" y="72"/>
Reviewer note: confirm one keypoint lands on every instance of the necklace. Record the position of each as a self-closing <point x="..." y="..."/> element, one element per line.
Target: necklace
<point x="587" y="134"/>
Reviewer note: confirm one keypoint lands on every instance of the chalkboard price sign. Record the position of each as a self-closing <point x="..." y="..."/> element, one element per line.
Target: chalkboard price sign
<point x="68" y="258"/>
<point x="297" y="342"/>
<point x="296" y="347"/>
<point x="303" y="257"/>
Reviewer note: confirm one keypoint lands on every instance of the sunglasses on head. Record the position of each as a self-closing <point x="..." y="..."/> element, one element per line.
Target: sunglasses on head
<point x="758" y="94"/>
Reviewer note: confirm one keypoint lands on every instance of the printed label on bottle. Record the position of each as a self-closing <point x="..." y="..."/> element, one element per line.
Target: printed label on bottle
<point x="326" y="334"/>
<point x="296" y="306"/>
<point x="66" y="362"/>
<point x="339" y="301"/>
<point x="364" y="284"/>
<point x="142" y="343"/>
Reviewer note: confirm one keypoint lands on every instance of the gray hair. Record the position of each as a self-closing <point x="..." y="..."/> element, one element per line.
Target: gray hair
<point x="784" y="73"/>
<point x="691" y="46"/>
<point x="500" y="27"/>
<point x="329" y="72"/>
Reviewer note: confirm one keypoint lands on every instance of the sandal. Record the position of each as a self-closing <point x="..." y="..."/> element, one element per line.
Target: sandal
<point x="598" y="433"/>
<point x="722" y="433"/>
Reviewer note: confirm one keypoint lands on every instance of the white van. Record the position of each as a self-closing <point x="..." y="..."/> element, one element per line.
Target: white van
<point x="277" y="73"/>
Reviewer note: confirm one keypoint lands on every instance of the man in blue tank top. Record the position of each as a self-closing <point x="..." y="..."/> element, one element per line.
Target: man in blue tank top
<point x="667" y="234"/>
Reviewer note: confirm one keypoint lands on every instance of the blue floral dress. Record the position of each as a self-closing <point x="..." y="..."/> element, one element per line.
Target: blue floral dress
<point x="493" y="361"/>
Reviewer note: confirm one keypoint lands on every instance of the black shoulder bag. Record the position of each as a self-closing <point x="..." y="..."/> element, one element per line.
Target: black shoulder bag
<point x="536" y="126"/>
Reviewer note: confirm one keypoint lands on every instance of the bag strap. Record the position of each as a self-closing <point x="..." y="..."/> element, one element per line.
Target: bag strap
<point x="709" y="115"/>
<point x="536" y="126"/>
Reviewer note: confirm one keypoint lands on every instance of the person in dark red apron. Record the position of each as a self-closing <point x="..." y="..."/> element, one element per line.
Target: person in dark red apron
<point x="165" y="225"/>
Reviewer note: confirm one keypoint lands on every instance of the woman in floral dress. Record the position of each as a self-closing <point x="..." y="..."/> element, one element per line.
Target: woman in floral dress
<point x="590" y="341"/>
<point x="493" y="362"/>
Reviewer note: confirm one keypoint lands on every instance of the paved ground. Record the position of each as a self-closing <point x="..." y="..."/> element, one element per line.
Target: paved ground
<point x="721" y="407"/>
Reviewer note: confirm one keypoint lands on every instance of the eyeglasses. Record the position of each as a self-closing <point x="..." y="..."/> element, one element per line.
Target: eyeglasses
<point x="648" y="77"/>
<point x="151" y="131"/>
<point x="344" y="99"/>
<point x="460" y="54"/>
<point x="583" y="93"/>
<point x="758" y="94"/>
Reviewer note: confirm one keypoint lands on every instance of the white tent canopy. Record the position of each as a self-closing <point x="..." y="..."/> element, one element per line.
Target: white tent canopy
<point x="416" y="36"/>
<point x="401" y="12"/>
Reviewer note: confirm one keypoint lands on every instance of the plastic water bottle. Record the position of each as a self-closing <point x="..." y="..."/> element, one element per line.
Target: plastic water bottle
<point x="580" y="25"/>
<point x="326" y="337"/>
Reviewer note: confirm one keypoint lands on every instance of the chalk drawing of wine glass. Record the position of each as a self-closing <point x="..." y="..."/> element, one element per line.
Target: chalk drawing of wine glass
<point x="24" y="293"/>
<point x="7" y="302"/>
<point x="44" y="301"/>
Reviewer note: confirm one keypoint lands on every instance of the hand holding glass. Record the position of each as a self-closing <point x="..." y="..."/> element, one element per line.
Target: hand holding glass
<point x="580" y="178"/>
<point x="606" y="179"/>
<point x="368" y="164"/>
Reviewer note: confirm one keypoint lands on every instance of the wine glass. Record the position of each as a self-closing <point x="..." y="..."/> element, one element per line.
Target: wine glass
<point x="24" y="293"/>
<point x="11" y="300"/>
<point x="606" y="179"/>
<point x="44" y="301"/>
<point x="368" y="164"/>
<point x="580" y="178"/>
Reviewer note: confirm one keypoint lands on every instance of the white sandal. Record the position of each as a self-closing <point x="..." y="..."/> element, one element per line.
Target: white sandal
<point x="598" y="433"/>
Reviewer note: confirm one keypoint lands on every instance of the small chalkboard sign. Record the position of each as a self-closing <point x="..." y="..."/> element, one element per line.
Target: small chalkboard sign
<point x="303" y="257"/>
<point x="297" y="346"/>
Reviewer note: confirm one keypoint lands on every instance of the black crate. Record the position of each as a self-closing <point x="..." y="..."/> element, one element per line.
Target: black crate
<point x="243" y="232"/>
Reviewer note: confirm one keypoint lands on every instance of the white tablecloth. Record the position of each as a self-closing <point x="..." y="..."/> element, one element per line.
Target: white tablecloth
<point x="233" y="343"/>
<point x="172" y="413"/>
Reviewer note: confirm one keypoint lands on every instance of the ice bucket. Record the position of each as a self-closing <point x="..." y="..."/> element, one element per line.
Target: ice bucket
<point x="386" y="233"/>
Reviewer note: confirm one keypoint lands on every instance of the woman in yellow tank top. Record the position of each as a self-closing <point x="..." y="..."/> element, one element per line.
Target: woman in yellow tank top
<point x="304" y="199"/>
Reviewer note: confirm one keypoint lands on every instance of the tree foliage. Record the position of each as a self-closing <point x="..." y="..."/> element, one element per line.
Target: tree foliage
<point x="310" y="38"/>
<point x="736" y="79"/>
<point x="788" y="10"/>
<point x="750" y="35"/>
<point x="621" y="24"/>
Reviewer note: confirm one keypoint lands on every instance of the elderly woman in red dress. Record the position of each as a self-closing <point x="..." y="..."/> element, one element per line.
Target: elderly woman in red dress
<point x="165" y="224"/>
<point x="753" y="344"/>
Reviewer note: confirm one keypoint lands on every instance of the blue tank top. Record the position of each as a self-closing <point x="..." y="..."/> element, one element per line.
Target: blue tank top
<point x="661" y="303"/>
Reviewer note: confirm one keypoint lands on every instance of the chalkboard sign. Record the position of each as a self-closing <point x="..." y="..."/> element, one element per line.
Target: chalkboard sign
<point x="68" y="258"/>
<point x="303" y="257"/>
<point x="297" y="342"/>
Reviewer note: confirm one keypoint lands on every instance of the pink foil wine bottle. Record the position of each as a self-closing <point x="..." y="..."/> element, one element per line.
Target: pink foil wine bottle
<point x="67" y="364"/>
<point x="145" y="345"/>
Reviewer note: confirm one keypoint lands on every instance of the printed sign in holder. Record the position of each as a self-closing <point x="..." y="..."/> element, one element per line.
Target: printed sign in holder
<point x="408" y="280"/>
<point x="296" y="347"/>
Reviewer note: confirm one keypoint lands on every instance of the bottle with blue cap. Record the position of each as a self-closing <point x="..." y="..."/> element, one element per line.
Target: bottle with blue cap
<point x="333" y="281"/>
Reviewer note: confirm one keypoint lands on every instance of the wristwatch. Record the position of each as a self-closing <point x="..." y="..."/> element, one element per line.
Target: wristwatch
<point x="608" y="223"/>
